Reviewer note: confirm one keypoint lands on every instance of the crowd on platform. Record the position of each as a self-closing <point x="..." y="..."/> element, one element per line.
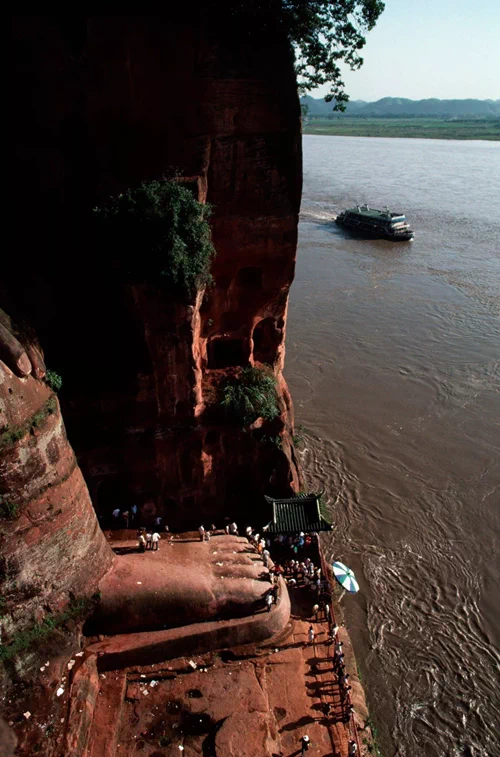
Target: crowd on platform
<point x="296" y="569"/>
<point x="304" y="574"/>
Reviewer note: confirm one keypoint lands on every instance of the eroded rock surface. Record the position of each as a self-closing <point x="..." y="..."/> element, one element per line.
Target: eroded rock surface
<point x="101" y="104"/>
<point x="52" y="550"/>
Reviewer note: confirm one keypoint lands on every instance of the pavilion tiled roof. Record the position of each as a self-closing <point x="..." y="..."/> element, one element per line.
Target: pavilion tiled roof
<point x="296" y="514"/>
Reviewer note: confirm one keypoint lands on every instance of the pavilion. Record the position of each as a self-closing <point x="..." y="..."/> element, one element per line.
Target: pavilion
<point x="303" y="513"/>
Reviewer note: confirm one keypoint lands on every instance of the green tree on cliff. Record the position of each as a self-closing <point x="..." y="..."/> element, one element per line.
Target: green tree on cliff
<point x="322" y="34"/>
<point x="159" y="231"/>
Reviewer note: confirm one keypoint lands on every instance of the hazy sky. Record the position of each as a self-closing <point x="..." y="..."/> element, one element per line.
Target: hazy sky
<point x="430" y="48"/>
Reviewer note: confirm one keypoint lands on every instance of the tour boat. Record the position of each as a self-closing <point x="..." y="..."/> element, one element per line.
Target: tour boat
<point x="381" y="224"/>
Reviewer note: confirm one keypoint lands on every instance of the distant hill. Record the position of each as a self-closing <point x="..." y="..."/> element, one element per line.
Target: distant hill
<point x="401" y="106"/>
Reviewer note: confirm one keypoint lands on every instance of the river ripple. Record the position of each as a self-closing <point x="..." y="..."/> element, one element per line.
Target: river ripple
<point x="393" y="360"/>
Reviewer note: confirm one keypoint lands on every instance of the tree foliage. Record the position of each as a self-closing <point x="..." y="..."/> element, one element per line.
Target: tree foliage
<point x="160" y="230"/>
<point x="250" y="396"/>
<point x="54" y="380"/>
<point x="322" y="34"/>
<point x="325" y="33"/>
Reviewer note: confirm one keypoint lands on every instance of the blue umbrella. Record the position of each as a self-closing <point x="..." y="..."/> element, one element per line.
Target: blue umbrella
<point x="345" y="577"/>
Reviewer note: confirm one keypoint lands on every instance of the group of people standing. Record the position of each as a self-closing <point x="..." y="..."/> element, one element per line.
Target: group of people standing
<point x="123" y="518"/>
<point x="148" y="540"/>
<point x="303" y="573"/>
<point x="205" y="533"/>
<point x="300" y="572"/>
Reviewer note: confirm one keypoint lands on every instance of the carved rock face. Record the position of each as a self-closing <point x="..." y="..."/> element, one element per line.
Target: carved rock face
<point x="121" y="100"/>
<point x="51" y="546"/>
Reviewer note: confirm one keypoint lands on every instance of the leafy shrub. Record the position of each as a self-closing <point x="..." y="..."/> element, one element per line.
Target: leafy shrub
<point x="54" y="380"/>
<point x="250" y="396"/>
<point x="160" y="231"/>
<point x="9" y="436"/>
<point x="8" y="510"/>
<point x="78" y="609"/>
<point x="272" y="441"/>
<point x="298" y="437"/>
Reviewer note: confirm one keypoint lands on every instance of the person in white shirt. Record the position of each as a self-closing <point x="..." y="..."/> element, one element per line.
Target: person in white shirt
<point x="149" y="538"/>
<point x="155" y="539"/>
<point x="201" y="532"/>
<point x="142" y="542"/>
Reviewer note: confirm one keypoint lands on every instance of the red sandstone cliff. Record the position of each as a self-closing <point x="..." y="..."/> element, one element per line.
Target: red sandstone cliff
<point x="100" y="104"/>
<point x="52" y="551"/>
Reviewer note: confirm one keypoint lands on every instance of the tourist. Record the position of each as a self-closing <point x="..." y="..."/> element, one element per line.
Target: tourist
<point x="338" y="647"/>
<point x="353" y="749"/>
<point x="310" y="635"/>
<point x="326" y="708"/>
<point x="226" y="528"/>
<point x="158" y="521"/>
<point x="316" y="611"/>
<point x="327" y="611"/>
<point x="155" y="541"/>
<point x="213" y="527"/>
<point x="207" y="535"/>
<point x="201" y="532"/>
<point x="347" y="714"/>
<point x="233" y="529"/>
<point x="116" y="514"/>
<point x="142" y="542"/>
<point x="344" y="692"/>
<point x="248" y="531"/>
<point x="269" y="601"/>
<point x="305" y="743"/>
<point x="265" y="557"/>
<point x="133" y="513"/>
<point x="149" y="539"/>
<point x="125" y="518"/>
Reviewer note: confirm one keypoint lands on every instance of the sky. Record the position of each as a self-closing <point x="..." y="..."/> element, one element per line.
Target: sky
<point x="448" y="49"/>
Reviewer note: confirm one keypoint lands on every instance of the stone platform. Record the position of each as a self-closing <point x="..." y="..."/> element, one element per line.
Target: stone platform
<point x="250" y="701"/>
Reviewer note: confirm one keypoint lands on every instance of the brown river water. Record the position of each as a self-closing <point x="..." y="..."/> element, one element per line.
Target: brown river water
<point x="393" y="360"/>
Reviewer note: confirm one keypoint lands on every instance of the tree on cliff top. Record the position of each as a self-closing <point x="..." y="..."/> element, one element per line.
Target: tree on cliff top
<point x="322" y="34"/>
<point x="159" y="231"/>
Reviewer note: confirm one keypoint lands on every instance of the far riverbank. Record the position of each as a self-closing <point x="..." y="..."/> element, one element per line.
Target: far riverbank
<point x="426" y="128"/>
